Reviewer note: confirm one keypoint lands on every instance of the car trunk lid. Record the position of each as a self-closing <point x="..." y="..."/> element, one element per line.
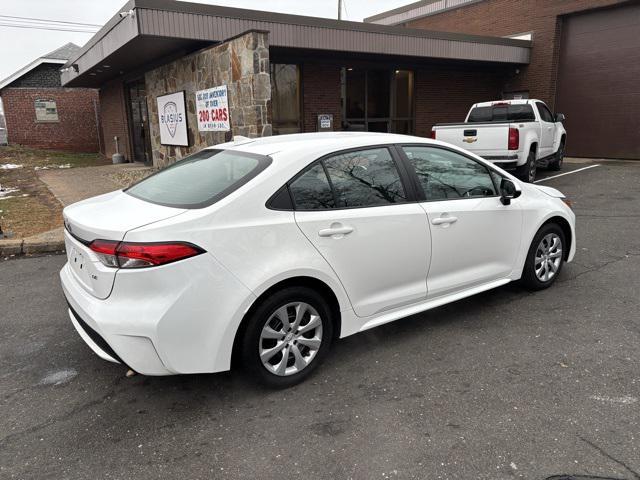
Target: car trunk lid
<point x="105" y="217"/>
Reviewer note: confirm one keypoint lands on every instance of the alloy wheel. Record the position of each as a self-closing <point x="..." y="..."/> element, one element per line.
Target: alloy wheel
<point x="290" y="339"/>
<point x="548" y="257"/>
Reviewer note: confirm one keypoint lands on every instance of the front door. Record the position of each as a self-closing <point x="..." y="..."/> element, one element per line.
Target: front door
<point x="548" y="130"/>
<point x="352" y="208"/>
<point x="139" y="122"/>
<point x="475" y="238"/>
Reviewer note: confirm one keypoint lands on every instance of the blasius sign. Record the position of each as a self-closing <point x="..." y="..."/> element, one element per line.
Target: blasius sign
<point x="173" y="119"/>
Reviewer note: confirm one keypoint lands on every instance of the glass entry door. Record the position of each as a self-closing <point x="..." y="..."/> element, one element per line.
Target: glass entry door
<point x="378" y="100"/>
<point x="139" y="121"/>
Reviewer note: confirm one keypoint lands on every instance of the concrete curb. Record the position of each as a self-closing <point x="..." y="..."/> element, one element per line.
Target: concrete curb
<point x="47" y="242"/>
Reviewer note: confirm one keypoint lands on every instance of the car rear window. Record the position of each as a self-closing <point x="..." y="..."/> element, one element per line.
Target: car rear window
<point x="200" y="179"/>
<point x="502" y="113"/>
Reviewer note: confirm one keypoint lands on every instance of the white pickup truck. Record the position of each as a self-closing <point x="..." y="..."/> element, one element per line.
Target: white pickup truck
<point x="518" y="135"/>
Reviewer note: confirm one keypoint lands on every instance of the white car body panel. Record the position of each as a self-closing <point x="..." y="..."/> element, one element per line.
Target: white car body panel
<point x="397" y="236"/>
<point x="183" y="317"/>
<point x="479" y="247"/>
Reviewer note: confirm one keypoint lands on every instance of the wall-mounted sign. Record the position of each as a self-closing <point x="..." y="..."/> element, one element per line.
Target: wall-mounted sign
<point x="46" y="111"/>
<point x="212" y="109"/>
<point x="325" y="122"/>
<point x="172" y="116"/>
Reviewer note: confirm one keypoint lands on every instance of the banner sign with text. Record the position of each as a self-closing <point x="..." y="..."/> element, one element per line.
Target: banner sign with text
<point x="212" y="109"/>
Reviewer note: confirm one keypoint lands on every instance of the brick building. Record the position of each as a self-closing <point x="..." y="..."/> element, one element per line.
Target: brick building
<point x="585" y="60"/>
<point x="283" y="74"/>
<point x="39" y="112"/>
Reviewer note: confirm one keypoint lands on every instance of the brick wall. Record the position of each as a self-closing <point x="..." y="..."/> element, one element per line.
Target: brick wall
<point x="511" y="17"/>
<point x="445" y="93"/>
<point x="113" y="117"/>
<point x="321" y="94"/>
<point x="76" y="129"/>
<point x="44" y="75"/>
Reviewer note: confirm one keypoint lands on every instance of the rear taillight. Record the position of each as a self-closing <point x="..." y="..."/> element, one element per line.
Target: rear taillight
<point x="433" y="134"/>
<point x="140" y="255"/>
<point x="514" y="139"/>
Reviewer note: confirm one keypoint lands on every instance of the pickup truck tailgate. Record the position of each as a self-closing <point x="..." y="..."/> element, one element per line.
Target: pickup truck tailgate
<point x="478" y="138"/>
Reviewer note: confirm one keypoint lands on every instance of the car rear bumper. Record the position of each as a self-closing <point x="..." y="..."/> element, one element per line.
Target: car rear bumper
<point x="162" y="322"/>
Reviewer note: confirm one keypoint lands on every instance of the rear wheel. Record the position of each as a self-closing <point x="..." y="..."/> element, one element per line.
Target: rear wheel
<point x="527" y="172"/>
<point x="545" y="258"/>
<point x="559" y="158"/>
<point x="287" y="337"/>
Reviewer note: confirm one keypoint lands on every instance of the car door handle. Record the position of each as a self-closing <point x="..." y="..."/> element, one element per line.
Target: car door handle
<point x="444" y="220"/>
<point x="335" y="230"/>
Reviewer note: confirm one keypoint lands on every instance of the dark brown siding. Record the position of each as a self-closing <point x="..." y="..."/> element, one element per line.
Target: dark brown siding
<point x="599" y="83"/>
<point x="114" y="119"/>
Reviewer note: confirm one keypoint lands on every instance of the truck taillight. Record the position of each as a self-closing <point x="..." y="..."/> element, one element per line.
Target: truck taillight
<point x="433" y="134"/>
<point x="139" y="255"/>
<point x="514" y="139"/>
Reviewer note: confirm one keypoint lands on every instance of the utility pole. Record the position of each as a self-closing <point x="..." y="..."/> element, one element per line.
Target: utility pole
<point x="339" y="9"/>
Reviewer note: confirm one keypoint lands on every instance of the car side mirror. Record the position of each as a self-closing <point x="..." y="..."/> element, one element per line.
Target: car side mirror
<point x="560" y="117"/>
<point x="508" y="191"/>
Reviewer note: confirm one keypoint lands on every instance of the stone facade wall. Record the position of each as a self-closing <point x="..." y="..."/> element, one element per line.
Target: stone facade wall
<point x="242" y="64"/>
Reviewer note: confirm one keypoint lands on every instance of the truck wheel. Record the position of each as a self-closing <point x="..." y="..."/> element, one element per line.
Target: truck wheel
<point x="559" y="157"/>
<point x="527" y="172"/>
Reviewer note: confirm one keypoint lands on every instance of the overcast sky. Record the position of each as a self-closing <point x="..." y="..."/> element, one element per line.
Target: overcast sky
<point x="19" y="47"/>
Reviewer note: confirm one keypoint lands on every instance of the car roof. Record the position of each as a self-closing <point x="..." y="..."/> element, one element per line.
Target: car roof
<point x="314" y="142"/>
<point x="521" y="101"/>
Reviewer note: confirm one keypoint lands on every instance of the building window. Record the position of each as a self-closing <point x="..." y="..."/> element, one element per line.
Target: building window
<point x="378" y="100"/>
<point x="285" y="98"/>
<point x="46" y="111"/>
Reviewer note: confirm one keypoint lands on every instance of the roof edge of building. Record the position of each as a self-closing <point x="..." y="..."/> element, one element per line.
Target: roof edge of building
<point x="446" y="7"/>
<point x="302" y="20"/>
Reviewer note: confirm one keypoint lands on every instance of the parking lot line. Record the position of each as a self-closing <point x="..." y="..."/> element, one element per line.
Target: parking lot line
<point x="566" y="173"/>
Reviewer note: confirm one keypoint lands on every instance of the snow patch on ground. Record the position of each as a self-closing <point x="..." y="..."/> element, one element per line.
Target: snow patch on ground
<point x="49" y="167"/>
<point x="59" y="377"/>
<point x="5" y="193"/>
<point x="9" y="166"/>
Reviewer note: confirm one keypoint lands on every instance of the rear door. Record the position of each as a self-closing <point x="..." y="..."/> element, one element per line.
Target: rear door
<point x="356" y="210"/>
<point x="475" y="238"/>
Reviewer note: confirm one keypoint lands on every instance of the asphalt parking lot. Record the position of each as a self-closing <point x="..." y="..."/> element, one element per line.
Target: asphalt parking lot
<point x="506" y="384"/>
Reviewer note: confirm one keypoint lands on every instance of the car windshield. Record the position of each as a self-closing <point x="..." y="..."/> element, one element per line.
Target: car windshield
<point x="502" y="113"/>
<point x="200" y="179"/>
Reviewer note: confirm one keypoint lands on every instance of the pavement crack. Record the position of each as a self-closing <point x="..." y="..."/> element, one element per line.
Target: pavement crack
<point x="597" y="268"/>
<point x="74" y="411"/>
<point x="610" y="457"/>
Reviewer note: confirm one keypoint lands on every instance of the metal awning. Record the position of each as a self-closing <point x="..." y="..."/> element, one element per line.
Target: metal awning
<point x="147" y="31"/>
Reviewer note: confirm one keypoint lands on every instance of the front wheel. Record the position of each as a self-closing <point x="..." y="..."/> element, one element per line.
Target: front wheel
<point x="527" y="172"/>
<point x="545" y="258"/>
<point x="556" y="165"/>
<point x="287" y="337"/>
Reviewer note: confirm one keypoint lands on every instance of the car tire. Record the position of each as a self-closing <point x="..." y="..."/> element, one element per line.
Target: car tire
<point x="556" y="165"/>
<point x="545" y="258"/>
<point x="266" y="331"/>
<point x="527" y="172"/>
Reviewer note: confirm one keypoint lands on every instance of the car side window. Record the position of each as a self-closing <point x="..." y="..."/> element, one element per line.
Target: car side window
<point x="447" y="175"/>
<point x="545" y="114"/>
<point x="365" y="178"/>
<point x="362" y="178"/>
<point x="311" y="190"/>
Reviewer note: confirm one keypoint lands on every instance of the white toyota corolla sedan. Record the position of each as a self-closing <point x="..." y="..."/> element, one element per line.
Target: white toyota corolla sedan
<point x="265" y="251"/>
